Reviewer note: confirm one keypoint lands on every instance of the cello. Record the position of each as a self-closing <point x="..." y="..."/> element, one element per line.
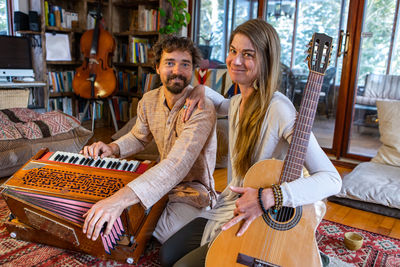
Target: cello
<point x="96" y="78"/>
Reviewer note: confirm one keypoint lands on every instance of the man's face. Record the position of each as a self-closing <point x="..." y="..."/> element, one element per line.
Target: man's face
<point x="175" y="70"/>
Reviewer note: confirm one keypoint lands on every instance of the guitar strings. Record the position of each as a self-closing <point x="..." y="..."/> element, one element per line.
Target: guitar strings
<point x="301" y="123"/>
<point x="307" y="114"/>
<point x="311" y="102"/>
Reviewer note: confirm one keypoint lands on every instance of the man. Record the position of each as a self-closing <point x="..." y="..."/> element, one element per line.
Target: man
<point x="187" y="149"/>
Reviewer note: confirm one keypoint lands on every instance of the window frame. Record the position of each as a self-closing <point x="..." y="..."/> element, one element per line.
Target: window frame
<point x="10" y="25"/>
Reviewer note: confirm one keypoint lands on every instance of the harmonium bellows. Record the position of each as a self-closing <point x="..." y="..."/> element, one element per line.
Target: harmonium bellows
<point x="50" y="193"/>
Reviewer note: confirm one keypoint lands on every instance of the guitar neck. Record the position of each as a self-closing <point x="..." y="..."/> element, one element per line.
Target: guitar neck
<point x="294" y="161"/>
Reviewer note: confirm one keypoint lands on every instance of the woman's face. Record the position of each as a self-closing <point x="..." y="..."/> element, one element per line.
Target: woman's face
<point x="241" y="61"/>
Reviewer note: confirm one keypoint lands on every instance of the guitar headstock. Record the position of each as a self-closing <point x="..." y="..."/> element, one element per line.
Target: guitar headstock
<point x="319" y="52"/>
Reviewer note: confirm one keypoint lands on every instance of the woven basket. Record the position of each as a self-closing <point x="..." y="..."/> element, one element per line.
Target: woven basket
<point x="11" y="98"/>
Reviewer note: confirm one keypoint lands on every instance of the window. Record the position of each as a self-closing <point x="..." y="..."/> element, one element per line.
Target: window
<point x="366" y="42"/>
<point x="295" y="22"/>
<point x="281" y="16"/>
<point x="215" y="19"/>
<point x="3" y="18"/>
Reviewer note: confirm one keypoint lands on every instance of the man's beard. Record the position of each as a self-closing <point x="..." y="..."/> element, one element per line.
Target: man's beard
<point x="176" y="88"/>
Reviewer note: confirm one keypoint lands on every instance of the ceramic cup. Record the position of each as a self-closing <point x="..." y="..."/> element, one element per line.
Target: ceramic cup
<point x="353" y="241"/>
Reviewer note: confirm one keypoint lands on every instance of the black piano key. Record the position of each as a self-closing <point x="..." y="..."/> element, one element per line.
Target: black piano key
<point x="64" y="157"/>
<point x="57" y="157"/>
<point x="86" y="161"/>
<point x="114" y="164"/>
<point x="97" y="163"/>
<point x="118" y="164"/>
<point x="90" y="162"/>
<point x="71" y="159"/>
<point x="109" y="164"/>
<point x="82" y="161"/>
<point x="76" y="159"/>
<point x="130" y="167"/>
<point x="125" y="166"/>
<point x="102" y="163"/>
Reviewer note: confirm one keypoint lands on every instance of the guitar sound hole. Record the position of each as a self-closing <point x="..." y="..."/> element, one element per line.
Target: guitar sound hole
<point x="283" y="220"/>
<point x="283" y="215"/>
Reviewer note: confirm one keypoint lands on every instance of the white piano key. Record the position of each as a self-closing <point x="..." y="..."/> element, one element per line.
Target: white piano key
<point x="122" y="164"/>
<point x="77" y="158"/>
<point x="135" y="165"/>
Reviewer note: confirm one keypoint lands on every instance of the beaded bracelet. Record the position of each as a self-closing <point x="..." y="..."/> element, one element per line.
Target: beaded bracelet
<point x="260" y="200"/>
<point x="276" y="189"/>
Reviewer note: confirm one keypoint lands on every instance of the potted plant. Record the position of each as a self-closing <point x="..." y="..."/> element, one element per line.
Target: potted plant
<point x="179" y="17"/>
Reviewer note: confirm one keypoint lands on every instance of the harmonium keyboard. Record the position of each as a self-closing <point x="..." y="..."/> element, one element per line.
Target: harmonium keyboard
<point x="50" y="193"/>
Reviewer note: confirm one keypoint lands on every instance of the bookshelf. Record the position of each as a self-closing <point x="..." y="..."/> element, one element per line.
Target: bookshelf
<point x="134" y="26"/>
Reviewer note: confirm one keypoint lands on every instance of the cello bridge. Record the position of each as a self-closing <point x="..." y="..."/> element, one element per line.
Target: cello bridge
<point x="93" y="61"/>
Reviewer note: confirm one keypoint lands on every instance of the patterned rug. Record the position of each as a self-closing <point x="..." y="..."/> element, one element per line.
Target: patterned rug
<point x="377" y="250"/>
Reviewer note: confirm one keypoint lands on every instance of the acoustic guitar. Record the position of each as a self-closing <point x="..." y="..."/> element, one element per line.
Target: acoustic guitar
<point x="286" y="237"/>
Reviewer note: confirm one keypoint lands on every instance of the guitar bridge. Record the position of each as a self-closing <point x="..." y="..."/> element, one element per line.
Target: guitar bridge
<point x="253" y="262"/>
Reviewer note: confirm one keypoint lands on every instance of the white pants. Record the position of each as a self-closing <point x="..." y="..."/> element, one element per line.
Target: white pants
<point x="174" y="217"/>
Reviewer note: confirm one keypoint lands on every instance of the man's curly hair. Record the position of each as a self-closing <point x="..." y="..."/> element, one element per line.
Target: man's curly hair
<point x="170" y="43"/>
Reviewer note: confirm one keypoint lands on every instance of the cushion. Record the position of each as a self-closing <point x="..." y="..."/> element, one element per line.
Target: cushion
<point x="373" y="182"/>
<point x="389" y="128"/>
<point x="379" y="87"/>
<point x="217" y="79"/>
<point x="24" y="132"/>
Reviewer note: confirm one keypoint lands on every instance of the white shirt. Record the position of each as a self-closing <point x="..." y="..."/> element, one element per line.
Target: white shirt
<point x="275" y="136"/>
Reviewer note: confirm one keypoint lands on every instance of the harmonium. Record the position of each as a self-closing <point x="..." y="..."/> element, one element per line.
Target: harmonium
<point x="48" y="196"/>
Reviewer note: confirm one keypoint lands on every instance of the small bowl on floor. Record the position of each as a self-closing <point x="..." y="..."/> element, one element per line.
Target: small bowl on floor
<point x="353" y="240"/>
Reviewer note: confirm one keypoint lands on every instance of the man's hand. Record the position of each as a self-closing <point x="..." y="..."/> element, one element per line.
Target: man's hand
<point x="100" y="149"/>
<point x="107" y="211"/>
<point x="195" y="98"/>
<point x="247" y="207"/>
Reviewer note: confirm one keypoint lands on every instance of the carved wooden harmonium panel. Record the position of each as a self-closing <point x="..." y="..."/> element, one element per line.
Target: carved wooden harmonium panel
<point x="52" y="195"/>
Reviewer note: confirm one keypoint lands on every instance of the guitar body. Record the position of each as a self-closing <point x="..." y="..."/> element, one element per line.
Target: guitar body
<point x="269" y="241"/>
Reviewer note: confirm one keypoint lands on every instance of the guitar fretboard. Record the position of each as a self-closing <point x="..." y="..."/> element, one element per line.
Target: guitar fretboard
<point x="294" y="161"/>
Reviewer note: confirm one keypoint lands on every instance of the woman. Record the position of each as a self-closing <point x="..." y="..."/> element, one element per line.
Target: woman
<point x="261" y="122"/>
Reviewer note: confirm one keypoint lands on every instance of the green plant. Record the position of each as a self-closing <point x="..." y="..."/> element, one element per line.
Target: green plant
<point x="180" y="17"/>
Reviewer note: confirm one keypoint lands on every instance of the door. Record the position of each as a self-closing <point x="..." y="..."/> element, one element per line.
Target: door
<point x="375" y="75"/>
<point x="366" y="43"/>
<point x="295" y="22"/>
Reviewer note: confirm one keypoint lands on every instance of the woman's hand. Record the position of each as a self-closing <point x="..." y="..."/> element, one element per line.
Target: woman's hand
<point x="247" y="207"/>
<point x="100" y="149"/>
<point x="195" y="98"/>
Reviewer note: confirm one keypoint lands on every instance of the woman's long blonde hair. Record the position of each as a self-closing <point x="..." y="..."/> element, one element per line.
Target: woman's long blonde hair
<point x="268" y="50"/>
